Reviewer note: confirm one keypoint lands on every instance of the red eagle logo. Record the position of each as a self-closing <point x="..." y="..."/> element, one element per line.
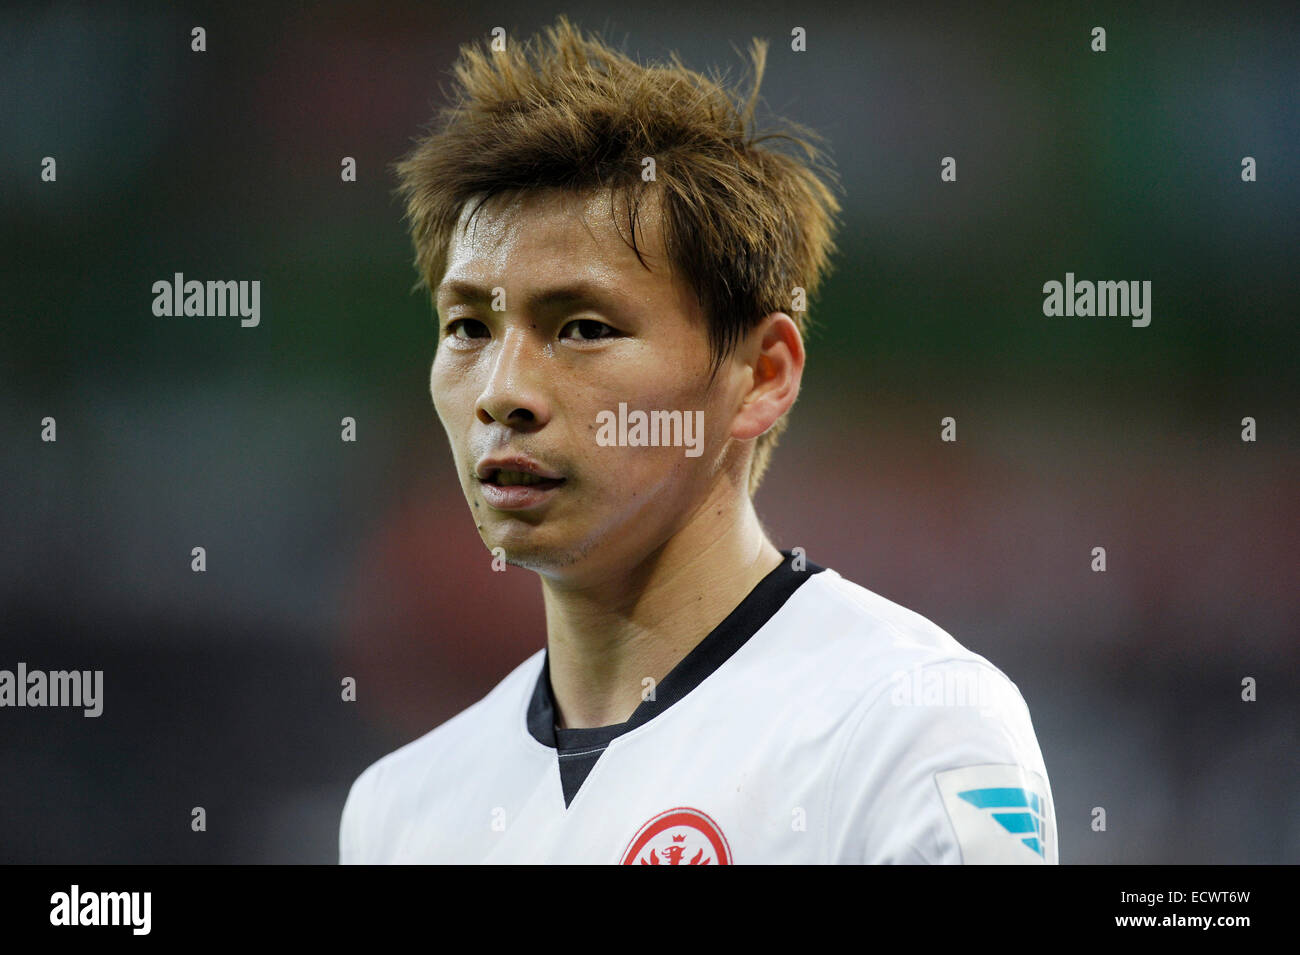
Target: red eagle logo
<point x="681" y="836"/>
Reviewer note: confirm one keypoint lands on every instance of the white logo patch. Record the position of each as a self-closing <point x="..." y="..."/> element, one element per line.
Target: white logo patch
<point x="1002" y="814"/>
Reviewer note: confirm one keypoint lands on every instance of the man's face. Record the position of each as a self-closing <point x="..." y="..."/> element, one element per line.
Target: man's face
<point x="584" y="327"/>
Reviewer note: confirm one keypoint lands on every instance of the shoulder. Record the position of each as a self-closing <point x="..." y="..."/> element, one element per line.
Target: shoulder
<point x="408" y="773"/>
<point x="936" y="759"/>
<point x="855" y="646"/>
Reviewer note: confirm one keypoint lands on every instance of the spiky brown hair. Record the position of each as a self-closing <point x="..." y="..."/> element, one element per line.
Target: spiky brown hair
<point x="743" y="225"/>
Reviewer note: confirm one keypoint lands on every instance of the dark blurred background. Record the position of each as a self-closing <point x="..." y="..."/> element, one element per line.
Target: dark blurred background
<point x="328" y="559"/>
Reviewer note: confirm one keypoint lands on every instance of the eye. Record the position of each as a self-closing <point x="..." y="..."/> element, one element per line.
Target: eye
<point x="588" y="329"/>
<point x="464" y="328"/>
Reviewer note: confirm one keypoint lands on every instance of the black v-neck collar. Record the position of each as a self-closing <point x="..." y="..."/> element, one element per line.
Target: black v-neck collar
<point x="759" y="606"/>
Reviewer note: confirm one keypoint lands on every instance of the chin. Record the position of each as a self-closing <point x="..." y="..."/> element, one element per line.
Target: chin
<point x="534" y="547"/>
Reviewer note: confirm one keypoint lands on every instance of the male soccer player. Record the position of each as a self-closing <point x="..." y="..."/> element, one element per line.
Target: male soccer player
<point x="617" y="265"/>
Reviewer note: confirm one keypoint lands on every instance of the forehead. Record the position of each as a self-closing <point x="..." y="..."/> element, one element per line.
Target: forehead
<point x="548" y="235"/>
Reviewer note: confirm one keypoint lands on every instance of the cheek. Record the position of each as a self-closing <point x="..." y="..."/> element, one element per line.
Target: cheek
<point x="673" y="384"/>
<point x="449" y="404"/>
<point x="445" y="387"/>
<point x="638" y="476"/>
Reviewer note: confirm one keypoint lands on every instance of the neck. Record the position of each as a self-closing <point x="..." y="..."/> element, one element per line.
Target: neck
<point x="606" y="635"/>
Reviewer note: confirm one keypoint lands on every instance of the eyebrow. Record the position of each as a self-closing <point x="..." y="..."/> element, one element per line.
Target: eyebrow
<point x="572" y="294"/>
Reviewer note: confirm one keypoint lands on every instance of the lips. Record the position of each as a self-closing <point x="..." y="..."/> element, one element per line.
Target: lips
<point x="489" y="469"/>
<point x="503" y="477"/>
<point x="516" y="483"/>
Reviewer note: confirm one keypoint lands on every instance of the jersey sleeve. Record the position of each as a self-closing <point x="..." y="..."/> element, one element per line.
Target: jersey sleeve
<point x="352" y="823"/>
<point x="943" y="767"/>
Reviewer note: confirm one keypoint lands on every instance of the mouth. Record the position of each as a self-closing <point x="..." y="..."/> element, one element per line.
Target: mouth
<point x="514" y="489"/>
<point x="503" y="477"/>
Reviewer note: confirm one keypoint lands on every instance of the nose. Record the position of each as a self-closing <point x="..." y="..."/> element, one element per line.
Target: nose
<point x="512" y="394"/>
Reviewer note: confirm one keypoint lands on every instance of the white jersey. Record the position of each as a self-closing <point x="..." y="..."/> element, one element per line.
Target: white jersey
<point x="818" y="723"/>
